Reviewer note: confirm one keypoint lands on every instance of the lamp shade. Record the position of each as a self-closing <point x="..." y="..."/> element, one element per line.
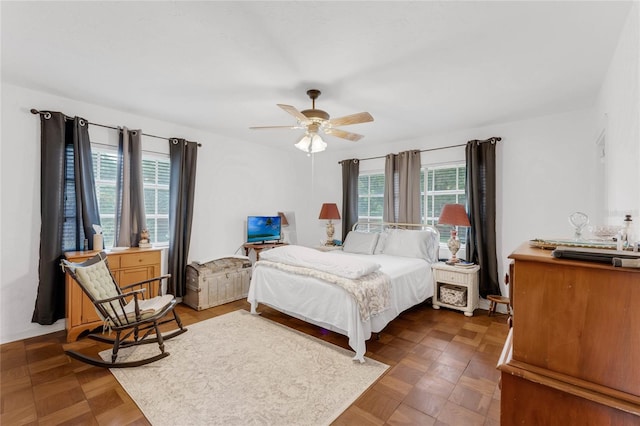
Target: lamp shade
<point x="453" y="214"/>
<point x="283" y="219"/>
<point x="329" y="211"/>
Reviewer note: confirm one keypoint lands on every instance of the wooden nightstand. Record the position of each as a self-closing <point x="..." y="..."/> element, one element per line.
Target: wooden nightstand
<point x="258" y="247"/>
<point x="450" y="281"/>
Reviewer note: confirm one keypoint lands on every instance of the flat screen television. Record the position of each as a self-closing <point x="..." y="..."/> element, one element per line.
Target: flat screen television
<point x="263" y="228"/>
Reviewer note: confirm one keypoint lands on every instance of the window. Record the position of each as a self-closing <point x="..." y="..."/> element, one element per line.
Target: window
<point x="370" y="197"/>
<point x="70" y="232"/>
<point x="440" y="185"/>
<point x="105" y="167"/>
<point x="155" y="176"/>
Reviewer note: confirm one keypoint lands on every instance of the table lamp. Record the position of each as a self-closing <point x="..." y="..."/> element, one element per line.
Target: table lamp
<point x="283" y="219"/>
<point x="454" y="215"/>
<point x="329" y="211"/>
<point x="283" y="224"/>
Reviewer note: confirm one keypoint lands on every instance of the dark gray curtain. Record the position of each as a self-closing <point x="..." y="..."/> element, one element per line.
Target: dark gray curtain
<point x="182" y="182"/>
<point x="350" y="172"/>
<point x="130" y="212"/>
<point x="68" y="206"/>
<point x="481" y="196"/>
<point x="402" y="187"/>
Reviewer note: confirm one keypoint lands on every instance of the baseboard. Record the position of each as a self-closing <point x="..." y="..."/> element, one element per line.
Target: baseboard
<point x="35" y="331"/>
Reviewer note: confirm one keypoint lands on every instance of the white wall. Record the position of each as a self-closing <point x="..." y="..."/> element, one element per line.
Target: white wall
<point x="547" y="169"/>
<point x="234" y="179"/>
<point x="544" y="173"/>
<point x="618" y="118"/>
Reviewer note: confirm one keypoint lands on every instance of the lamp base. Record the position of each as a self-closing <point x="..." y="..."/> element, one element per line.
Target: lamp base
<point x="454" y="245"/>
<point x="330" y="231"/>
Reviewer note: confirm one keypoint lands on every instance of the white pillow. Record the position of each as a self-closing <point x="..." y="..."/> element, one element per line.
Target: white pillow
<point x="381" y="240"/>
<point x="406" y="243"/>
<point x="360" y="242"/>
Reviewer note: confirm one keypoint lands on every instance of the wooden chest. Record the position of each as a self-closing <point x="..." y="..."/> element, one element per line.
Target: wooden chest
<point x="217" y="282"/>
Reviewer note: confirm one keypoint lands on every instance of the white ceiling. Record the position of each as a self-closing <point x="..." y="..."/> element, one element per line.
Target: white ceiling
<point x="417" y="67"/>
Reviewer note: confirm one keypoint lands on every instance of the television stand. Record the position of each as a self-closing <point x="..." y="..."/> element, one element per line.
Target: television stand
<point x="258" y="247"/>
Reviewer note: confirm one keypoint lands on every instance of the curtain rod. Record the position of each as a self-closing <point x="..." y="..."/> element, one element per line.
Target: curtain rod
<point x="492" y="140"/>
<point x="35" y="111"/>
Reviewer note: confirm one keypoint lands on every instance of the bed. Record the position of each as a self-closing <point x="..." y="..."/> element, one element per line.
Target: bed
<point x="381" y="271"/>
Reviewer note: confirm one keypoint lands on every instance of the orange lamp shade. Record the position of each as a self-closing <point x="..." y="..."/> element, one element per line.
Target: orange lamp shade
<point x="329" y="211"/>
<point x="453" y="214"/>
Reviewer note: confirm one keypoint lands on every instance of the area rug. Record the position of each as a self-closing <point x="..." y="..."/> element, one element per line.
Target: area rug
<point x="242" y="369"/>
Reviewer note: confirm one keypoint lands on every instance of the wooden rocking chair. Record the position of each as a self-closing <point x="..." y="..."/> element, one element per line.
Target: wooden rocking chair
<point x="132" y="312"/>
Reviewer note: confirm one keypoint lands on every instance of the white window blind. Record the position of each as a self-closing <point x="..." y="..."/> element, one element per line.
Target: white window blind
<point x="440" y="185"/>
<point x="155" y="175"/>
<point x="370" y="197"/>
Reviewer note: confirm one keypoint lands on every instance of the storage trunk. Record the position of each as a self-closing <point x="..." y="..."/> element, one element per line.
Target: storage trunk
<point x="216" y="282"/>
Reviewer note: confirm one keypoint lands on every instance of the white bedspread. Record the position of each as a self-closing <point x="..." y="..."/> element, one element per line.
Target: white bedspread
<point x="370" y="291"/>
<point x="331" y="263"/>
<point x="329" y="306"/>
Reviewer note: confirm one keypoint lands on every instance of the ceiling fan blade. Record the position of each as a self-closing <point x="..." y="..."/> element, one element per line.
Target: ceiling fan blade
<point x="276" y="127"/>
<point x="343" y="134"/>
<point x="293" y="111"/>
<point x="361" y="117"/>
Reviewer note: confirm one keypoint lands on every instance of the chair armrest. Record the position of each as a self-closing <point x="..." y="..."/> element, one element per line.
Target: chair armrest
<point x="162" y="277"/>
<point x="121" y="296"/>
<point x="148" y="284"/>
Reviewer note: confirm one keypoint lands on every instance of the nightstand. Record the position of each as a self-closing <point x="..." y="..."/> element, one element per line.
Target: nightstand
<point x="258" y="247"/>
<point x="455" y="287"/>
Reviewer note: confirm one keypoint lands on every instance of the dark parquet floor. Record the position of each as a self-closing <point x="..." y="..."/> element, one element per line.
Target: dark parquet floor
<point x="443" y="372"/>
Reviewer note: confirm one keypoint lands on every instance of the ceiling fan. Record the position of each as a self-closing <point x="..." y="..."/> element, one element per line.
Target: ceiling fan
<point x="316" y="121"/>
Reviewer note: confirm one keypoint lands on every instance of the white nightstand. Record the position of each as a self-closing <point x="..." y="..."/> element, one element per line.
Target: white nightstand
<point x="456" y="279"/>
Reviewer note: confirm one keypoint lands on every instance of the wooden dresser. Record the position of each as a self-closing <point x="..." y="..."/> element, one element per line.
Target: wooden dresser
<point x="573" y="354"/>
<point x="127" y="266"/>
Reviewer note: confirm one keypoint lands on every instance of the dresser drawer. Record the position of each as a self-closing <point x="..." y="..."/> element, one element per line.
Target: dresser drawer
<point x="139" y="259"/>
<point x="451" y="277"/>
<point x="114" y="261"/>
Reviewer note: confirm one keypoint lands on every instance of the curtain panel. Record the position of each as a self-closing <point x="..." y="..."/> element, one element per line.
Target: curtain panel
<point x="66" y="171"/>
<point x="481" y="196"/>
<point x="350" y="174"/>
<point x="130" y="212"/>
<point x="183" y="157"/>
<point x="402" y="187"/>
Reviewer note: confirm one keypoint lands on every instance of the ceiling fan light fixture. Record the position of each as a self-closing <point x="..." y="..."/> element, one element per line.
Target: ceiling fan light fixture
<point x="311" y="143"/>
<point x="317" y="121"/>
